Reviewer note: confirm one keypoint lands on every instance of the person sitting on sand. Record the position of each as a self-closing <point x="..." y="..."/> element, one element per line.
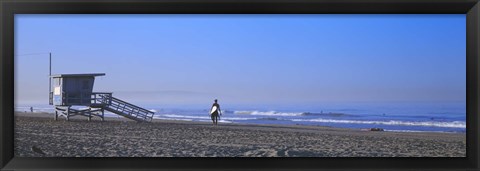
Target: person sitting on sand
<point x="215" y="114"/>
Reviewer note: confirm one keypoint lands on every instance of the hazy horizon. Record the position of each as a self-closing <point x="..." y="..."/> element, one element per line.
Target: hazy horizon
<point x="247" y="59"/>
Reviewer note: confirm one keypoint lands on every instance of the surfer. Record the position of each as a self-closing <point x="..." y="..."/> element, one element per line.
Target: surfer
<point x="215" y="112"/>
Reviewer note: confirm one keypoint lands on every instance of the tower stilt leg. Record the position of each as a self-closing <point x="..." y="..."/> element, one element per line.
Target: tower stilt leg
<point x="89" y="114"/>
<point x="68" y="113"/>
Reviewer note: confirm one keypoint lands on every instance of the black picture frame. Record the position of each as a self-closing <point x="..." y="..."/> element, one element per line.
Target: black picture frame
<point x="11" y="7"/>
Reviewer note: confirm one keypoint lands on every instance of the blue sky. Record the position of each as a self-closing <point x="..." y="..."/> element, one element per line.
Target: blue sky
<point x="247" y="59"/>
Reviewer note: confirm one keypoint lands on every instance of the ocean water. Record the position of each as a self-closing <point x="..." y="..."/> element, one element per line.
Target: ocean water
<point x="397" y="117"/>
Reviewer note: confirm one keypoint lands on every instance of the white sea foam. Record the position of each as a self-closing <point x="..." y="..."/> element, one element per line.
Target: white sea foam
<point x="173" y="119"/>
<point x="185" y="116"/>
<point x="237" y="119"/>
<point x="225" y="121"/>
<point x="201" y="117"/>
<point x="221" y="121"/>
<point x="182" y="119"/>
<point x="388" y="130"/>
<point x="453" y="124"/>
<point x="268" y="113"/>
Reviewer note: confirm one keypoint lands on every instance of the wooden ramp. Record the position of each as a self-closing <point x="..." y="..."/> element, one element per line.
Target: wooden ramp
<point x="127" y="110"/>
<point x="99" y="102"/>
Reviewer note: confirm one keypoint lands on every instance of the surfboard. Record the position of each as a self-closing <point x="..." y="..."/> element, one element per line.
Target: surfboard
<point x="214" y="108"/>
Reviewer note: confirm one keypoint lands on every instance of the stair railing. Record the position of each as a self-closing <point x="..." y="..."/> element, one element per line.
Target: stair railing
<point x="127" y="108"/>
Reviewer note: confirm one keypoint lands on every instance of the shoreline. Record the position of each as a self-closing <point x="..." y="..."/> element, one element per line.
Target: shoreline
<point x="118" y="137"/>
<point x="117" y="117"/>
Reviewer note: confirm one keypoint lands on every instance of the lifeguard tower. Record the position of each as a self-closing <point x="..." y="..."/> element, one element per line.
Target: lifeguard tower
<point x="77" y="90"/>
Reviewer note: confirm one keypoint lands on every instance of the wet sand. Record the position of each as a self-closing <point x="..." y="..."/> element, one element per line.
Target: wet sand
<point x="38" y="135"/>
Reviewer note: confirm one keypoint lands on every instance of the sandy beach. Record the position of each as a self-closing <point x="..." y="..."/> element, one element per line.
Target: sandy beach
<point x="38" y="135"/>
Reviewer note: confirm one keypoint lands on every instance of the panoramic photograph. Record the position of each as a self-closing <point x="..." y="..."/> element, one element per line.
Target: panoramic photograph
<point x="240" y="85"/>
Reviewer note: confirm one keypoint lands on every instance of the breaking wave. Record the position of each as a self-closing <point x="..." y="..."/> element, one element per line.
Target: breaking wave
<point x="388" y="130"/>
<point x="269" y="113"/>
<point x="275" y="113"/>
<point x="200" y="117"/>
<point x="454" y="124"/>
<point x="328" y="114"/>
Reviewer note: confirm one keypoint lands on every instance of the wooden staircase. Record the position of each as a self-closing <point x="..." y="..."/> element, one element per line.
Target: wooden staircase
<point x="123" y="108"/>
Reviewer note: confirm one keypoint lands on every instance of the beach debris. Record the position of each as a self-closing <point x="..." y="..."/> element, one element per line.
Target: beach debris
<point x="37" y="150"/>
<point x="376" y="129"/>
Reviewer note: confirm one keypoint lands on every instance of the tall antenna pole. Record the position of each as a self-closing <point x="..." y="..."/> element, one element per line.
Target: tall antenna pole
<point x="50" y="75"/>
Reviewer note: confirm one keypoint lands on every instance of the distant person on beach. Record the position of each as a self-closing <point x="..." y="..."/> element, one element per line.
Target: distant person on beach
<point x="215" y="112"/>
<point x="31" y="109"/>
